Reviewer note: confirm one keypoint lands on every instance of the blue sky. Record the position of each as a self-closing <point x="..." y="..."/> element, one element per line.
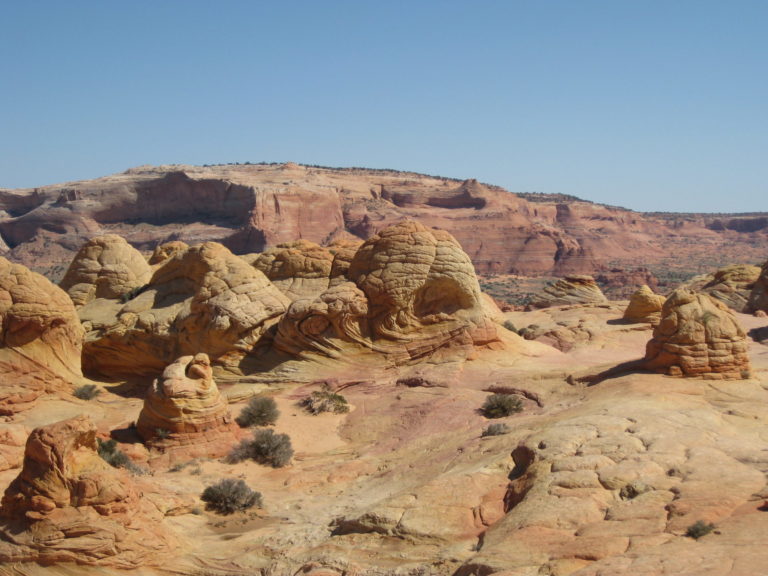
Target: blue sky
<point x="651" y="105"/>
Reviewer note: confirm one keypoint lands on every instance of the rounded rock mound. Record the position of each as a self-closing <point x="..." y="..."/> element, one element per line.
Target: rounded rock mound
<point x="105" y="267"/>
<point x="573" y="289"/>
<point x="698" y="336"/>
<point x="644" y="306"/>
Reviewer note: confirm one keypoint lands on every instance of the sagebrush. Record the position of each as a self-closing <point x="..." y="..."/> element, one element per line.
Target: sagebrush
<point x="87" y="392"/>
<point x="258" y="412"/>
<point x="325" y="401"/>
<point x="501" y="405"/>
<point x="229" y="496"/>
<point x="495" y="429"/>
<point x="265" y="447"/>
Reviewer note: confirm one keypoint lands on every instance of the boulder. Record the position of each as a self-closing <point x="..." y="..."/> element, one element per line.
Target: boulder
<point x="698" y="336"/>
<point x="731" y="285"/>
<point x="105" y="267"/>
<point x="184" y="408"/>
<point x="202" y="299"/>
<point x="758" y="299"/>
<point x="299" y="269"/>
<point x="644" y="306"/>
<point x="40" y="341"/>
<point x="69" y="505"/>
<point x="572" y="289"/>
<point x="411" y="291"/>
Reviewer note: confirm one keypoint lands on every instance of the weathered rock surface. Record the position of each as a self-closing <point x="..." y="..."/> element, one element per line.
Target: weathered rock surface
<point x="251" y="208"/>
<point x="411" y="292"/>
<point x="184" y="412"/>
<point x="573" y="289"/>
<point x="105" y="267"/>
<point x="69" y="505"/>
<point x="203" y="299"/>
<point x="644" y="306"/>
<point x="300" y="269"/>
<point x="731" y="285"/>
<point x="40" y="341"/>
<point x="698" y="336"/>
<point x="758" y="299"/>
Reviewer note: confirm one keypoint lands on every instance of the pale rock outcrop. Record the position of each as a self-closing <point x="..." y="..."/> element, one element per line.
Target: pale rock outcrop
<point x="40" y="338"/>
<point x="203" y="299"/>
<point x="758" y="299"/>
<point x="300" y="269"/>
<point x="184" y="409"/>
<point x="697" y="336"/>
<point x="343" y="251"/>
<point x="164" y="252"/>
<point x="69" y="505"/>
<point x="731" y="285"/>
<point x="412" y="291"/>
<point x="105" y="267"/>
<point x="573" y="289"/>
<point x="644" y="306"/>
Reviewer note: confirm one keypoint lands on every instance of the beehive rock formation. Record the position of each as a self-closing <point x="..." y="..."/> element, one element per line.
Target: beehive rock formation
<point x="105" y="267"/>
<point x="697" y="336"/>
<point x="40" y="341"/>
<point x="731" y="285"/>
<point x="68" y="504"/>
<point x="644" y="306"/>
<point x="184" y="408"/>
<point x="573" y="289"/>
<point x="299" y="269"/>
<point x="202" y="299"/>
<point x="758" y="299"/>
<point x="411" y="291"/>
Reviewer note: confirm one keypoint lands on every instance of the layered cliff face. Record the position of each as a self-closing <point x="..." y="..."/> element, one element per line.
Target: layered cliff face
<point x="250" y="208"/>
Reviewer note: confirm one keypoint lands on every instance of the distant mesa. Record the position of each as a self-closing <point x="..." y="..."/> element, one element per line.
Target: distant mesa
<point x="185" y="413"/>
<point x="69" y="505"/>
<point x="698" y="336"/>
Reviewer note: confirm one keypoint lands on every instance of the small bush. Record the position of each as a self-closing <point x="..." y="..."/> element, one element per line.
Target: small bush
<point x="258" y="412"/>
<point x="162" y="433"/>
<point x="495" y="429"/>
<point x="509" y="325"/>
<point x="266" y="448"/>
<point x="325" y="401"/>
<point x="87" y="392"/>
<point x="501" y="405"/>
<point x="229" y="496"/>
<point x="115" y="457"/>
<point x="699" y="529"/>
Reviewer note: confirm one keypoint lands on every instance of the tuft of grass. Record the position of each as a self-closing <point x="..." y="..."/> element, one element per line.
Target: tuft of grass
<point x="87" y="392"/>
<point x="115" y="457"/>
<point x="495" y="429"/>
<point x="501" y="405"/>
<point x="699" y="529"/>
<point x="325" y="401"/>
<point x="266" y="448"/>
<point x="258" y="412"/>
<point x="229" y="496"/>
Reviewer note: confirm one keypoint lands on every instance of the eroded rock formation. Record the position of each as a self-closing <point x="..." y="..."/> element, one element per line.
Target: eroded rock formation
<point x="69" y="505"/>
<point x="105" y="267"/>
<point x="698" y="336"/>
<point x="300" y="269"/>
<point x="758" y="299"/>
<point x="41" y="338"/>
<point x="184" y="409"/>
<point x="644" y="306"/>
<point x="731" y="285"/>
<point x="202" y="299"/>
<point x="411" y="291"/>
<point x="573" y="289"/>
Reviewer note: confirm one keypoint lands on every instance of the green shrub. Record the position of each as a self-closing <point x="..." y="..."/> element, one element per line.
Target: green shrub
<point x="115" y="457"/>
<point x="229" y="496"/>
<point x="699" y="529"/>
<point x="258" y="412"/>
<point x="495" y="429"/>
<point x="325" y="401"/>
<point x="509" y="325"/>
<point x="501" y="405"/>
<point x="266" y="448"/>
<point x="87" y="392"/>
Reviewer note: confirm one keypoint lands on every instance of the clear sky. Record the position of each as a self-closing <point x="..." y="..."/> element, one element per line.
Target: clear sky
<point x="647" y="104"/>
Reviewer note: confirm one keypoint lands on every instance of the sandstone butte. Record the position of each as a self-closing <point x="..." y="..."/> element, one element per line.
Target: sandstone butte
<point x="253" y="208"/>
<point x="586" y="480"/>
